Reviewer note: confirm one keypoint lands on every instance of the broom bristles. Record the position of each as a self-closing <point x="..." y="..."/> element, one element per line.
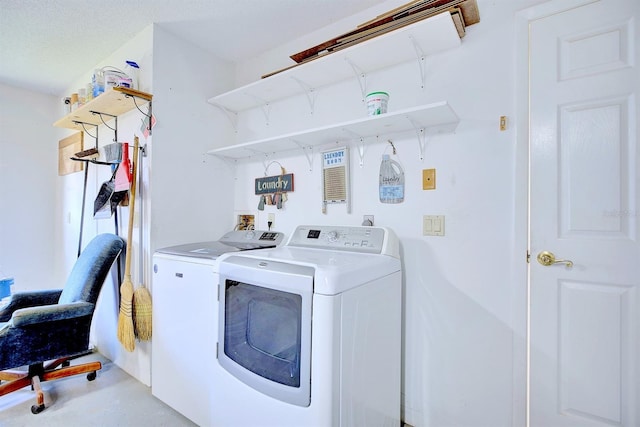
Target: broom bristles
<point x="142" y="317"/>
<point x="126" y="334"/>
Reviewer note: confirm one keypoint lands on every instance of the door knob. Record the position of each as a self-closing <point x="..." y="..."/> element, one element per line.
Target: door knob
<point x="547" y="258"/>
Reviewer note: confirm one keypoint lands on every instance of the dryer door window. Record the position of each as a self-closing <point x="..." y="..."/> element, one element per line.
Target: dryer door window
<point x="262" y="331"/>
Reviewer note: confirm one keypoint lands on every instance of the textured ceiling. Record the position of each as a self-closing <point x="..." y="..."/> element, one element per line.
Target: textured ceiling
<point x="46" y="44"/>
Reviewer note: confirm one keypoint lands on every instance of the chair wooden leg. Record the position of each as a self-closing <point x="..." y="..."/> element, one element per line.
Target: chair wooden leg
<point x="10" y="375"/>
<point x="36" y="375"/>
<point x="20" y="380"/>
<point x="39" y="406"/>
<point x="15" y="383"/>
<point x="71" y="370"/>
<point x="55" y="363"/>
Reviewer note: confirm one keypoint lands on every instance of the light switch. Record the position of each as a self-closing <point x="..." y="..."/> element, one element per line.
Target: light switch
<point x="433" y="225"/>
<point x="427" y="225"/>
<point x="437" y="225"/>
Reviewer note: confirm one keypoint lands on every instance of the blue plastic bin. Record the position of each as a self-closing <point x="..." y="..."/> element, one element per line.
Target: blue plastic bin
<point x="5" y="287"/>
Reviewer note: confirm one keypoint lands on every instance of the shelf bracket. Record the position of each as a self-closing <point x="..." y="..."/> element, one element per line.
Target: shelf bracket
<point x="231" y="116"/>
<point x="148" y="114"/>
<point x="309" y="92"/>
<point x="83" y="124"/>
<point x="94" y="161"/>
<point x="264" y="106"/>
<point x="115" y="129"/>
<point x="361" y="76"/>
<point x="265" y="163"/>
<point x="266" y="111"/>
<point x="421" y="61"/>
<point x="232" y="163"/>
<point x="361" y="151"/>
<point x="307" y="150"/>
<point x="360" y="139"/>
<point x="422" y="137"/>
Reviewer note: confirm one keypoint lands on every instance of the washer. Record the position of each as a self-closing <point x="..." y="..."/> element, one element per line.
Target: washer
<point x="310" y="332"/>
<point x="185" y="319"/>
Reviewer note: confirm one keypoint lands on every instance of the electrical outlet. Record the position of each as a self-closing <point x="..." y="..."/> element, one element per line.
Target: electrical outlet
<point x="428" y="179"/>
<point x="433" y="225"/>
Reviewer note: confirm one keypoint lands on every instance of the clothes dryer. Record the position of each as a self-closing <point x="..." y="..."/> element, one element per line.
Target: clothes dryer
<point x="309" y="333"/>
<point x="185" y="319"/>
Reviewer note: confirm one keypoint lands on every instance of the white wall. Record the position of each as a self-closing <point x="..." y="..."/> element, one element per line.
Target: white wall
<point x="463" y="314"/>
<point x="104" y="327"/>
<point x="191" y="192"/>
<point x="29" y="223"/>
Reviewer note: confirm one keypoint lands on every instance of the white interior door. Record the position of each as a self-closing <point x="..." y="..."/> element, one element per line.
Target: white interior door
<point x="584" y="208"/>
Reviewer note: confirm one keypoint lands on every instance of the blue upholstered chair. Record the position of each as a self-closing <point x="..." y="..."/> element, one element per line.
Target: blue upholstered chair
<point x="45" y="329"/>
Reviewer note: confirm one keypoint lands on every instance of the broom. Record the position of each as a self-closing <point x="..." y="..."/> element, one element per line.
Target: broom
<point x="126" y="334"/>
<point x="142" y="317"/>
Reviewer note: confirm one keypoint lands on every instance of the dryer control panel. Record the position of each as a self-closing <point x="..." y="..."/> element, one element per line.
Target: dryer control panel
<point x="354" y="239"/>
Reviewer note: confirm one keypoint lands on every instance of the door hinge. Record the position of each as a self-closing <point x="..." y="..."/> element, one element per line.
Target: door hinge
<point x="528" y="256"/>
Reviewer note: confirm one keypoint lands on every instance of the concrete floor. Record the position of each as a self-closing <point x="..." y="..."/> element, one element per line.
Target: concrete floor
<point x="114" y="398"/>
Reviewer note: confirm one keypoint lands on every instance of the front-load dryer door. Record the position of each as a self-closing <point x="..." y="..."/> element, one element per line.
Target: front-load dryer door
<point x="265" y="326"/>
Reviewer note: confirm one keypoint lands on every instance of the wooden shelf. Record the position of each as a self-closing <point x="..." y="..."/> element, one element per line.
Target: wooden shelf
<point x="412" y="42"/>
<point x="431" y="118"/>
<point x="113" y="102"/>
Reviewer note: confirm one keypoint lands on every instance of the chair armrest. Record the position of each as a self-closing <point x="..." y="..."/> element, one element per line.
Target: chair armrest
<point x="28" y="299"/>
<point x="48" y="313"/>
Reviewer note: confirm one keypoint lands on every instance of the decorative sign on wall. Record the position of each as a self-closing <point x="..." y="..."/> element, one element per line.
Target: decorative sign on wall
<point x="335" y="178"/>
<point x="273" y="189"/>
<point x="274" y="184"/>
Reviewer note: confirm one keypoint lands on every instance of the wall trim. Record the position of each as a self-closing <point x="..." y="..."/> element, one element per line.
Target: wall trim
<point x="520" y="309"/>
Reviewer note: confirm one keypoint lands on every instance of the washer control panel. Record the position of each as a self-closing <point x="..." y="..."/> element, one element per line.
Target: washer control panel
<point x="252" y="239"/>
<point x="354" y="239"/>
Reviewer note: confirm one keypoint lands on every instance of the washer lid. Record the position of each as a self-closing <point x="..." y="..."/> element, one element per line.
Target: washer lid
<point x="233" y="241"/>
<point x="209" y="250"/>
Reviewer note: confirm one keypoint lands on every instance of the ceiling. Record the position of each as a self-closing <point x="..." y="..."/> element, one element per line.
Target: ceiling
<point x="46" y="44"/>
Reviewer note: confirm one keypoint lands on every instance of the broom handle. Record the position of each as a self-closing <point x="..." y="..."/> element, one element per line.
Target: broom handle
<point x="141" y="216"/>
<point x="132" y="201"/>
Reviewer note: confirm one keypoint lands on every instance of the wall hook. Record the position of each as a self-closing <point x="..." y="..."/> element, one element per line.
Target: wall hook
<point x="392" y="146"/>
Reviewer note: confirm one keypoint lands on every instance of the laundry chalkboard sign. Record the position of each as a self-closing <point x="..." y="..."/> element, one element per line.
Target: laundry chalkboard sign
<point x="274" y="184"/>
